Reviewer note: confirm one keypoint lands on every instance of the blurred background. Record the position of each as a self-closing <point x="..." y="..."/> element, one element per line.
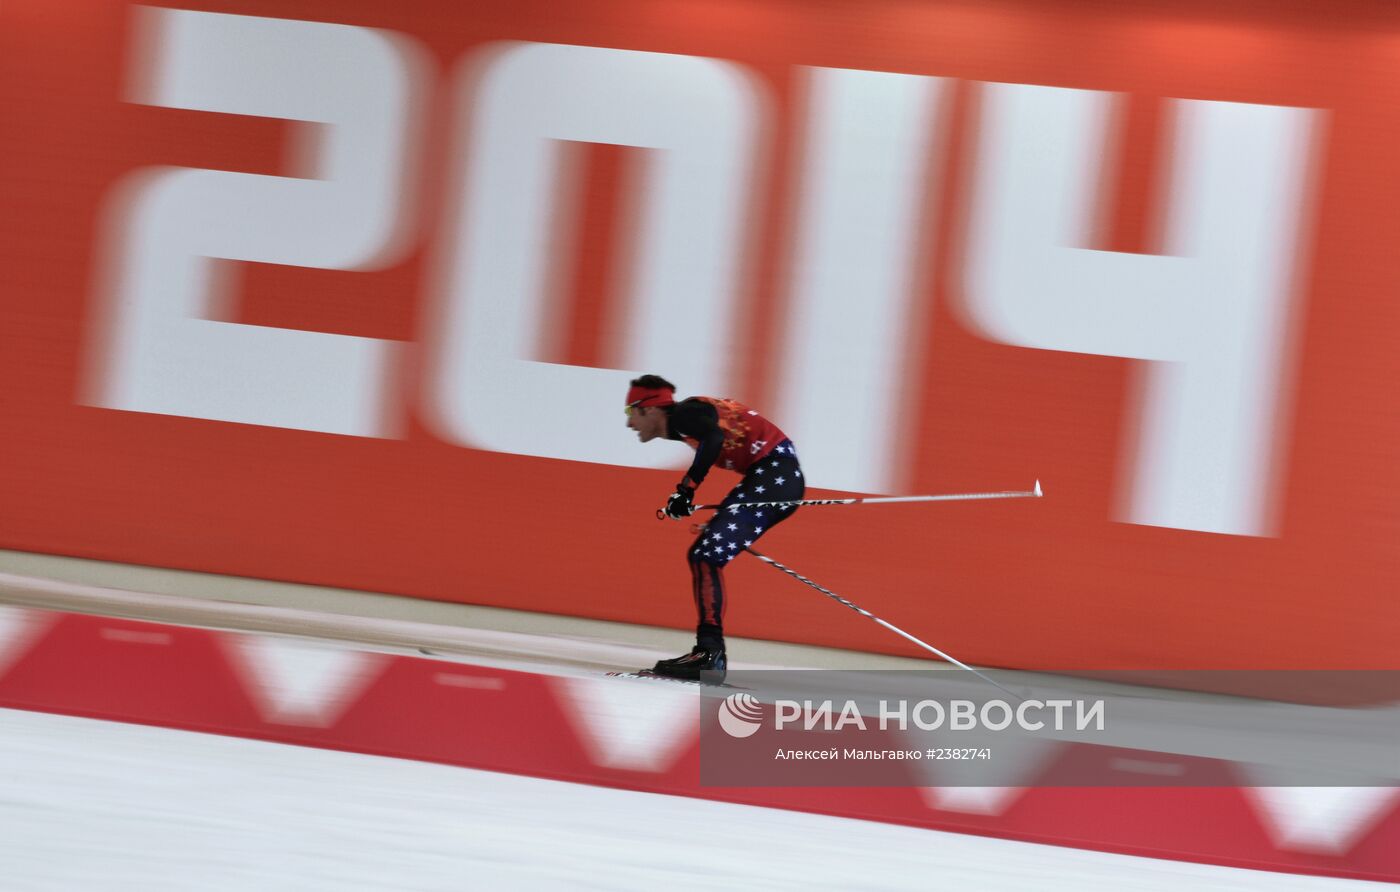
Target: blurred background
<point x="316" y="320"/>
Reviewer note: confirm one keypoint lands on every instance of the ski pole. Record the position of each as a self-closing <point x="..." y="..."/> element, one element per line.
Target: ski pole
<point x="887" y="500"/>
<point x="866" y="613"/>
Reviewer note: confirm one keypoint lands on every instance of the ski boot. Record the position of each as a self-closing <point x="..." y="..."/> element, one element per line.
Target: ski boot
<point x="692" y="664"/>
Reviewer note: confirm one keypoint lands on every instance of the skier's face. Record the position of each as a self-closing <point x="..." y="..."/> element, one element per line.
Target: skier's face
<point x="649" y="423"/>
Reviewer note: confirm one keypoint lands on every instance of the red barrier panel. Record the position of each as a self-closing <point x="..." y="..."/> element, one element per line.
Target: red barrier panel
<point x="364" y="316"/>
<point x="641" y="736"/>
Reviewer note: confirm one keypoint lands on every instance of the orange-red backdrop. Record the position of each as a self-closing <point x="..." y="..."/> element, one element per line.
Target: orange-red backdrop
<point x="1055" y="583"/>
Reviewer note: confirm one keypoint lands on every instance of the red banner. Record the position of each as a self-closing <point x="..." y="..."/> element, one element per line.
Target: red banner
<point x="645" y="736"/>
<point x="349" y="294"/>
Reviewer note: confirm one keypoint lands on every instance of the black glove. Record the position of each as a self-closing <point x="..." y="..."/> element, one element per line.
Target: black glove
<point x="681" y="504"/>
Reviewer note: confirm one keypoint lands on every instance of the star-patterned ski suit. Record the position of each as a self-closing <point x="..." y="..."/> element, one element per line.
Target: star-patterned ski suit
<point x="730" y="435"/>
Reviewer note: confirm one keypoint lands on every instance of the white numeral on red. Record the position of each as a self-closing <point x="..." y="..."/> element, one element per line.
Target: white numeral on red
<point x="1209" y="317"/>
<point x="870" y="147"/>
<point x="518" y="106"/>
<point x="161" y="348"/>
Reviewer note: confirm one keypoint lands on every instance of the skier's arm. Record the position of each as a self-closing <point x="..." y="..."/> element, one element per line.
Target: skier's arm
<point x="699" y="422"/>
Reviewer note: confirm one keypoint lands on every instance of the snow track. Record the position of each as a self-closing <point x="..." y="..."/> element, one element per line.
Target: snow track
<point x="105" y="806"/>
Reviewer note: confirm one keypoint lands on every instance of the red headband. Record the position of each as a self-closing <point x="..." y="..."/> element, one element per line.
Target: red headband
<point x="642" y="397"/>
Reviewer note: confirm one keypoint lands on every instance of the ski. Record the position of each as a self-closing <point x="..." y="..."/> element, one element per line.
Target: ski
<point x="638" y="674"/>
<point x="648" y="675"/>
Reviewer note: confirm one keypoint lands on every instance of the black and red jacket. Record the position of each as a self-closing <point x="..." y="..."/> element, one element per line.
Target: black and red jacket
<point x="723" y="432"/>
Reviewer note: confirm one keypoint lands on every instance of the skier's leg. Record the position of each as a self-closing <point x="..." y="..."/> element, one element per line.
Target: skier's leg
<point x="735" y="526"/>
<point x="707" y="589"/>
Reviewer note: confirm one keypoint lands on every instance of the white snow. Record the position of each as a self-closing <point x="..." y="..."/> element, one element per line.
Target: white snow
<point x="86" y="805"/>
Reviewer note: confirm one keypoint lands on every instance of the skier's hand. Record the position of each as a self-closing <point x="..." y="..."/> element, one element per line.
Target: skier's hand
<point x="682" y="501"/>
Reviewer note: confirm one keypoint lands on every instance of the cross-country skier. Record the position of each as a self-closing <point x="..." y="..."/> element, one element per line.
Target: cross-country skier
<point x="730" y="435"/>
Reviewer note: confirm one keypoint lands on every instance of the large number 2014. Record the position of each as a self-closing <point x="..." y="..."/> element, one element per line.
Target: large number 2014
<point x="1208" y="318"/>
